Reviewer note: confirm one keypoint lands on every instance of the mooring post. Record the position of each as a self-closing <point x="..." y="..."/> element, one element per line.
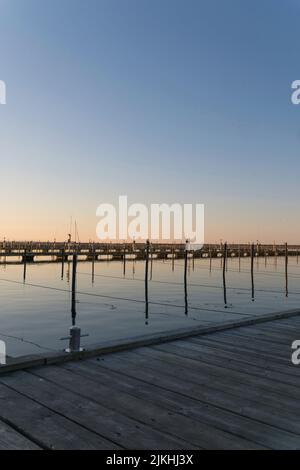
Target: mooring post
<point x="252" y="274"/>
<point x="286" y="269"/>
<point x="146" y="280"/>
<point x="173" y="258"/>
<point x="226" y="258"/>
<point x="74" y="268"/>
<point x="265" y="258"/>
<point x="62" y="262"/>
<point x="151" y="262"/>
<point x="185" y="278"/>
<point x="224" y="273"/>
<point x="93" y="263"/>
<point x="239" y="258"/>
<point x="25" y="264"/>
<point x="74" y="339"/>
<point x="124" y="260"/>
<point x="210" y="256"/>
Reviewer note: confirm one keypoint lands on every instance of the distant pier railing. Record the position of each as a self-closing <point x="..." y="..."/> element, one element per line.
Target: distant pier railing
<point x="62" y="251"/>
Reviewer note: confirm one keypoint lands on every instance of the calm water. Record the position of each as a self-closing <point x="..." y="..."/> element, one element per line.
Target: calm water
<point x="35" y="315"/>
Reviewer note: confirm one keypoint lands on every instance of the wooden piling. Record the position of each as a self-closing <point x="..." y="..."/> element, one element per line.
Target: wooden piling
<point x="151" y="262"/>
<point x="185" y="281"/>
<point x="146" y="281"/>
<point x="62" y="263"/>
<point x="286" y="269"/>
<point x="225" y="258"/>
<point x="252" y="273"/>
<point x="173" y="258"/>
<point x="124" y="260"/>
<point x="265" y="258"/>
<point x="25" y="264"/>
<point x="74" y="269"/>
<point x="224" y="273"/>
<point x="93" y="263"/>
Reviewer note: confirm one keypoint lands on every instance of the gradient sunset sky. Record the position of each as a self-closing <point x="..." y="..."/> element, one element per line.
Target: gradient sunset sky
<point x="161" y="100"/>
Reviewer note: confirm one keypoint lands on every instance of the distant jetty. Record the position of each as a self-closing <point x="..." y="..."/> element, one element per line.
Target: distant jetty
<point x="63" y="251"/>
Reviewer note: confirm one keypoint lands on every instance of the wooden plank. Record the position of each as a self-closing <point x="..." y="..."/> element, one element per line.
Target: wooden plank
<point x="289" y="322"/>
<point x="43" y="427"/>
<point x="228" y="421"/>
<point x="265" y="390"/>
<point x="240" y="346"/>
<point x="264" y="412"/>
<point x="13" y="440"/>
<point x="279" y="326"/>
<point x="116" y="427"/>
<point x="276" y="338"/>
<point x="237" y="356"/>
<point x="248" y="342"/>
<point x="270" y="339"/>
<point x="186" y="429"/>
<point x="227" y="361"/>
<point x="275" y="335"/>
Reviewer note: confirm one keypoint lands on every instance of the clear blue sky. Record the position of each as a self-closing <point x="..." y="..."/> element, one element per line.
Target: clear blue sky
<point x="162" y="100"/>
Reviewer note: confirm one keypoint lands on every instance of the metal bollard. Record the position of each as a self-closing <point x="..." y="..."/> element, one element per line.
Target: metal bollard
<point x="74" y="339"/>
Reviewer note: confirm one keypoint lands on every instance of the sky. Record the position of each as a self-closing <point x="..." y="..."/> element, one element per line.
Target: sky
<point x="164" y="101"/>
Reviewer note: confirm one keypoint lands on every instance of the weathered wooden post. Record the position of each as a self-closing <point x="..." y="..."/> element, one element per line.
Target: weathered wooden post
<point x="173" y="258"/>
<point x="224" y="273"/>
<point x="25" y="264"/>
<point x="151" y="262"/>
<point x="286" y="269"/>
<point x="124" y="260"/>
<point x="62" y="262"/>
<point x="252" y="274"/>
<point x="226" y="258"/>
<point x="93" y="263"/>
<point x="75" y="331"/>
<point x="265" y="258"/>
<point x="185" y="278"/>
<point x="74" y="269"/>
<point x="146" y="281"/>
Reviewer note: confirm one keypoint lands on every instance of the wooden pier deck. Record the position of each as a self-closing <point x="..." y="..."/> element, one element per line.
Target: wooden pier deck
<point x="233" y="389"/>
